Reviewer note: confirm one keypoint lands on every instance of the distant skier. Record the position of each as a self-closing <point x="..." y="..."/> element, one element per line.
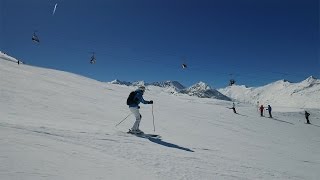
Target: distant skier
<point x="306" y="114"/>
<point x="269" y="110"/>
<point x="261" y="110"/>
<point x="234" y="108"/>
<point x="133" y="101"/>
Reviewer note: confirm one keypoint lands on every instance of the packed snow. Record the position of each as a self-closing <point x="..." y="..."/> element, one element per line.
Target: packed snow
<point x="59" y="125"/>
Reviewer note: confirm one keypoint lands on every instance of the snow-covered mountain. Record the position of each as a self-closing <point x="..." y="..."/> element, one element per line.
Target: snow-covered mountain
<point x="175" y="85"/>
<point x="203" y="90"/>
<point x="171" y="87"/>
<point x="172" y="84"/>
<point x="59" y="125"/>
<point x="136" y="83"/>
<point x="116" y="81"/>
<point x="305" y="94"/>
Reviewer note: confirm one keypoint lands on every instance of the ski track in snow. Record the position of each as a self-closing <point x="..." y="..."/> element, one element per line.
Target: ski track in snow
<point x="98" y="142"/>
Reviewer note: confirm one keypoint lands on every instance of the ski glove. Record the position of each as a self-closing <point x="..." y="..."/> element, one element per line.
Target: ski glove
<point x="151" y="102"/>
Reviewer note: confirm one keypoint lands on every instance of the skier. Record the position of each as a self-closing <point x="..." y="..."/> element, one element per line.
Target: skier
<point x="234" y="108"/>
<point x="261" y="110"/>
<point x="269" y="110"/>
<point x="307" y="116"/>
<point x="133" y="101"/>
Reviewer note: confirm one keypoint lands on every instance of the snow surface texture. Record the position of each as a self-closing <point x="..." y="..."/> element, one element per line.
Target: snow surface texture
<point x="58" y="125"/>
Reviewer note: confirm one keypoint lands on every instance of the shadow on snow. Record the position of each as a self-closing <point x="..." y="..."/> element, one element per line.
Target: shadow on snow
<point x="167" y="144"/>
<point x="241" y="114"/>
<point x="282" y="121"/>
<point x="314" y="125"/>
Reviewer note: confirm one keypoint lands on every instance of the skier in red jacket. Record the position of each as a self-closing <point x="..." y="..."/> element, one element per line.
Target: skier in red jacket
<point x="261" y="110"/>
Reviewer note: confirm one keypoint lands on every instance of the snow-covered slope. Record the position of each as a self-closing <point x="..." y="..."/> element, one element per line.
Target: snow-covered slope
<point x="305" y="94"/>
<point x="6" y="57"/>
<point x="58" y="125"/>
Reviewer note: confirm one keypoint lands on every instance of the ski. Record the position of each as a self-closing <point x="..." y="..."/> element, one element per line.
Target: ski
<point x="144" y="135"/>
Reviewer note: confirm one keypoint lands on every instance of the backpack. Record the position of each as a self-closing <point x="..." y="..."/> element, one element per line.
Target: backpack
<point x="131" y="98"/>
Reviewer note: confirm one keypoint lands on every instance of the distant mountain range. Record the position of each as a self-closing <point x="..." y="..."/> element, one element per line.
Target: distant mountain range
<point x="172" y="84"/>
<point x="305" y="94"/>
<point x="203" y="90"/>
<point x="200" y="89"/>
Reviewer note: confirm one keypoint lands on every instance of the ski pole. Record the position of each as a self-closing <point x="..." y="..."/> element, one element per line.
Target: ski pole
<point x="154" y="128"/>
<point x="123" y="119"/>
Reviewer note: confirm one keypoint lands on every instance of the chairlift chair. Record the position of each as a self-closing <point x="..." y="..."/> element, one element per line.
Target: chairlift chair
<point x="232" y="82"/>
<point x="93" y="59"/>
<point x="35" y="38"/>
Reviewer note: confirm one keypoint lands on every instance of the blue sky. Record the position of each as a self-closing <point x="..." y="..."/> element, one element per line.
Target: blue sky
<point x="254" y="42"/>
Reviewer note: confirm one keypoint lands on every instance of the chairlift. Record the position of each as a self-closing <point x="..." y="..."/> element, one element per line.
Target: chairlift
<point x="35" y="38"/>
<point x="184" y="62"/>
<point x="93" y="59"/>
<point x="232" y="82"/>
